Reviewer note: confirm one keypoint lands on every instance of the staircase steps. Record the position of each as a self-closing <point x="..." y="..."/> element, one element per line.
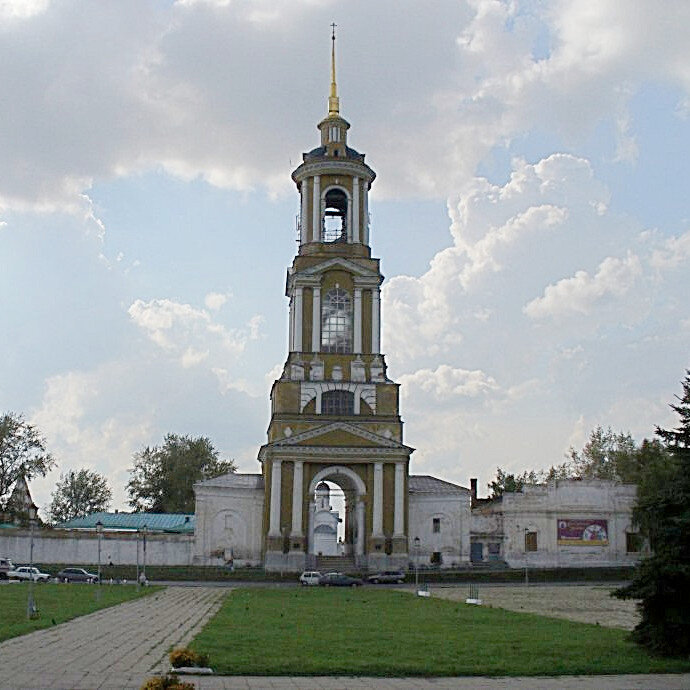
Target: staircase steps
<point x="339" y="564"/>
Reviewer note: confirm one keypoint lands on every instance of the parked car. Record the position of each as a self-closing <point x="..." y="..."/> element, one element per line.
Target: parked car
<point x="25" y="572"/>
<point x="387" y="576"/>
<point x="310" y="577"/>
<point x="339" y="580"/>
<point x="5" y="566"/>
<point x="76" y="575"/>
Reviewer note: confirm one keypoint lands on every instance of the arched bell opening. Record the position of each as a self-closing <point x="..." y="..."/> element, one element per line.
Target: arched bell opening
<point x="335" y="216"/>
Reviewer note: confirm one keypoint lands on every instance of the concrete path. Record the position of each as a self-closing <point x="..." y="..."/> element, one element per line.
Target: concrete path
<point x="120" y="647"/>
<point x="117" y="647"/>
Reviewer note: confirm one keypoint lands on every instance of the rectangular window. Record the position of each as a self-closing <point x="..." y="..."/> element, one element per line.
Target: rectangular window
<point x="530" y="541"/>
<point x="633" y="542"/>
<point x="437" y="525"/>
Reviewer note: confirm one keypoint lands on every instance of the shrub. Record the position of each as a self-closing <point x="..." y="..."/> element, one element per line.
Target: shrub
<point x="170" y="682"/>
<point x="187" y="657"/>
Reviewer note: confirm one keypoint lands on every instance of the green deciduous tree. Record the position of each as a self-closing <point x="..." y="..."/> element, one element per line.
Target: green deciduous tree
<point x="22" y="453"/>
<point x="163" y="477"/>
<point x="662" y="581"/>
<point x="78" y="494"/>
<point x="606" y="455"/>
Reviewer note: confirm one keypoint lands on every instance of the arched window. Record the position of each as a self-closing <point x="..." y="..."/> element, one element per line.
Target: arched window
<point x="338" y="402"/>
<point x="335" y="217"/>
<point x="336" y="322"/>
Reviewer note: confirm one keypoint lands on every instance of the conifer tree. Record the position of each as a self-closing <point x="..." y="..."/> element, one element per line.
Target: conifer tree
<point x="662" y="581"/>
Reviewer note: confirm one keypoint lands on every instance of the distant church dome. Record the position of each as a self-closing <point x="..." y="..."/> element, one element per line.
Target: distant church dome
<point x="323" y="488"/>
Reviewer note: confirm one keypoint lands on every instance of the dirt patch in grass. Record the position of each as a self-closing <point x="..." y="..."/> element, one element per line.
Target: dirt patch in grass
<point x="581" y="603"/>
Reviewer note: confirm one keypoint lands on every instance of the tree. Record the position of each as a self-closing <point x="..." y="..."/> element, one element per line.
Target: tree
<point x="163" y="477"/>
<point x="510" y="483"/>
<point x="78" y="494"/>
<point x="22" y="453"/>
<point x="662" y="581"/>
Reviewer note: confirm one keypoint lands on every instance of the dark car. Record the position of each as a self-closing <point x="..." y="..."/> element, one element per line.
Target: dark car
<point x="339" y="580"/>
<point x="76" y="575"/>
<point x="386" y="576"/>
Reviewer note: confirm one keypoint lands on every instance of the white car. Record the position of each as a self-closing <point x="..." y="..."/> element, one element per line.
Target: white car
<point x="24" y="572"/>
<point x="310" y="577"/>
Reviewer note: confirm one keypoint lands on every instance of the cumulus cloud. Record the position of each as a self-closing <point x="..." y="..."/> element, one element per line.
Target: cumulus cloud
<point x="129" y="87"/>
<point x="580" y="293"/>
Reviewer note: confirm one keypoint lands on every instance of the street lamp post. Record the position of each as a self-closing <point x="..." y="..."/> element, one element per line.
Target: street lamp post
<point x="137" y="578"/>
<point x="144" y="530"/>
<point x="30" y="603"/>
<point x="416" y="564"/>
<point x="99" y="531"/>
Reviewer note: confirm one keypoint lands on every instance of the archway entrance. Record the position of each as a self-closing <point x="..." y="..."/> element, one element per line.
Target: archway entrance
<point x="339" y="532"/>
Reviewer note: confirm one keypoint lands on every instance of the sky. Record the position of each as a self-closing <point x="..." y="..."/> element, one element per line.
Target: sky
<point x="530" y="211"/>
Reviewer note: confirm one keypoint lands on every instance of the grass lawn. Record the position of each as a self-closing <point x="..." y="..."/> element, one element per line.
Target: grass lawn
<point x="388" y="633"/>
<point x="57" y="603"/>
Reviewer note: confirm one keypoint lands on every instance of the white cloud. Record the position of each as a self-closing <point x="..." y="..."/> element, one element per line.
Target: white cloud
<point x="215" y="300"/>
<point x="580" y="293"/>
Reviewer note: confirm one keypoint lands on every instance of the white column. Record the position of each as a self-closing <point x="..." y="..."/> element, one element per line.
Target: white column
<point x="399" y="516"/>
<point x="316" y="210"/>
<point x="365" y="213"/>
<point x="355" y="209"/>
<point x="304" y="213"/>
<point x="358" y="321"/>
<point x="274" y="521"/>
<point x="298" y="320"/>
<point x="312" y="510"/>
<point x="375" y="321"/>
<point x="359" y="546"/>
<point x="297" y="480"/>
<point x="377" y="522"/>
<point x="291" y="326"/>
<point x="316" y="320"/>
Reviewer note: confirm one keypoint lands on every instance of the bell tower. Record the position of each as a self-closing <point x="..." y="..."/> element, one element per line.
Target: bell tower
<point x="334" y="412"/>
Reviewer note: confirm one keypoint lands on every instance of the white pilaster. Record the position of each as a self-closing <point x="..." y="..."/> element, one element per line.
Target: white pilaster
<point x="298" y="320"/>
<point x="365" y="213"/>
<point x="274" y="520"/>
<point x="316" y="320"/>
<point x="377" y="522"/>
<point x="304" y="213"/>
<point x="312" y="510"/>
<point x="358" y="321"/>
<point x="316" y="210"/>
<point x="399" y="515"/>
<point x="359" y="545"/>
<point x="297" y="481"/>
<point x="355" y="210"/>
<point x="375" y="321"/>
<point x="291" y="327"/>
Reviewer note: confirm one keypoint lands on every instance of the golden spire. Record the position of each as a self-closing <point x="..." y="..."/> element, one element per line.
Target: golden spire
<point x="333" y="101"/>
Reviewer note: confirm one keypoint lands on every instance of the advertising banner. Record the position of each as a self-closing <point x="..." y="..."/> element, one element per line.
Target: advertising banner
<point x="583" y="532"/>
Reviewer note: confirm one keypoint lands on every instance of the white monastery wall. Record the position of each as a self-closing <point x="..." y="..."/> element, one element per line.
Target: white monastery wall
<point x="557" y="513"/>
<point x="452" y="540"/>
<point x="229" y="514"/>
<point x="72" y="547"/>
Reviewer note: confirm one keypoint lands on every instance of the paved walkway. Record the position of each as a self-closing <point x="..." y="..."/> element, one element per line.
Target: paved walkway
<point x="117" y="647"/>
<point x="120" y="647"/>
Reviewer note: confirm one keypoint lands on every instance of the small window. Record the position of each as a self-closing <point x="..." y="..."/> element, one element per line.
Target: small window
<point x="437" y="525"/>
<point x="633" y="542"/>
<point x="336" y="322"/>
<point x="436" y="558"/>
<point x="530" y="541"/>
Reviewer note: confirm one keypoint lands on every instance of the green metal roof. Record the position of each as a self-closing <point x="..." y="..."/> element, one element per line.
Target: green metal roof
<point x="154" y="522"/>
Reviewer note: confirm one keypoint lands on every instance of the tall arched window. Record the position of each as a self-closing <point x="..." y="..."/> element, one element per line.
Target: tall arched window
<point x="336" y="321"/>
<point x="335" y="217"/>
<point x="338" y="402"/>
